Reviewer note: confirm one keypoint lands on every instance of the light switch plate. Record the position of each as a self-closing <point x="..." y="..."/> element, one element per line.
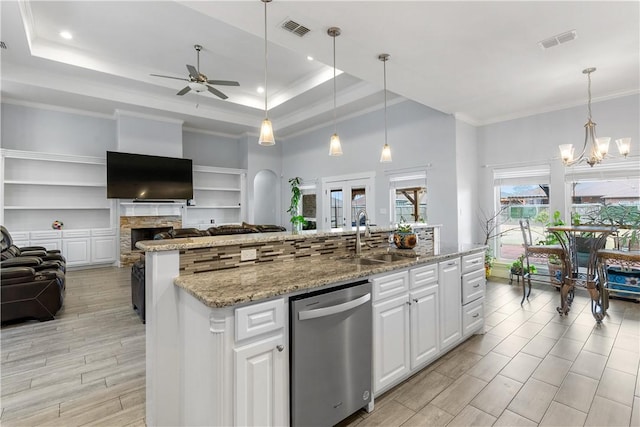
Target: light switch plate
<point x="248" y="254"/>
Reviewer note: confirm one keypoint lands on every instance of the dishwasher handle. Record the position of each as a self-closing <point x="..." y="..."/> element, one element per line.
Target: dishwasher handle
<point x="334" y="309"/>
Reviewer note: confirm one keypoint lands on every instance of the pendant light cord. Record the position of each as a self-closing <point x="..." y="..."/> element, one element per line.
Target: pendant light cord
<point x="589" y="92"/>
<point x="266" y="115"/>
<point x="384" y="63"/>
<point x="335" y="125"/>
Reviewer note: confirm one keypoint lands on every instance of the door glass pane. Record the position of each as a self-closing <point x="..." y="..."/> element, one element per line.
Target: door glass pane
<point x="337" y="218"/>
<point x="358" y="202"/>
<point x="411" y="204"/>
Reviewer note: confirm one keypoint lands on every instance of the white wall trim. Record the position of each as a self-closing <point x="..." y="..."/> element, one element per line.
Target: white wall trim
<point x="57" y="108"/>
<point x="119" y="112"/>
<point x="213" y="133"/>
<point x="51" y="157"/>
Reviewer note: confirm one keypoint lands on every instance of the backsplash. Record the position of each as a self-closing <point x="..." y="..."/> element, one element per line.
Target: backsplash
<point x="202" y="260"/>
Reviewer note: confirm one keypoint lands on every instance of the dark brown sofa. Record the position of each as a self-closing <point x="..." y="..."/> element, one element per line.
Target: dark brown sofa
<point x="29" y="294"/>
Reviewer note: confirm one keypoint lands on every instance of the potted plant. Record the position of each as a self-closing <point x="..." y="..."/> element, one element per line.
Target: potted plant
<point x="404" y="237"/>
<point x="489" y="259"/>
<point x="517" y="267"/>
<point x="297" y="220"/>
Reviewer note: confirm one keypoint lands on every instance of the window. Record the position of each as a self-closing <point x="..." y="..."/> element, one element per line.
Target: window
<point x="522" y="193"/>
<point x="343" y="197"/>
<point x="408" y="196"/>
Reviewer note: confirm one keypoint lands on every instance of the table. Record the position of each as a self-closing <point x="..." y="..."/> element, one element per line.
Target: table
<point x="583" y="273"/>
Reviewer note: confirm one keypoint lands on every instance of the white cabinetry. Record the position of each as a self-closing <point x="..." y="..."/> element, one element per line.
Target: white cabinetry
<point x="76" y="247"/>
<point x="473" y="290"/>
<point x="450" y="300"/>
<point x="103" y="245"/>
<point x="405" y="323"/>
<point x="261" y="365"/>
<point x="218" y="195"/>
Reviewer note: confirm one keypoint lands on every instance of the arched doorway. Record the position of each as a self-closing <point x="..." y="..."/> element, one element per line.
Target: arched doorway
<point x="265" y="187"/>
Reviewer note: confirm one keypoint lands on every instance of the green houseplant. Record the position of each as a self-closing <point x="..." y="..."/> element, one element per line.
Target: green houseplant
<point x="517" y="267"/>
<point x="297" y="220"/>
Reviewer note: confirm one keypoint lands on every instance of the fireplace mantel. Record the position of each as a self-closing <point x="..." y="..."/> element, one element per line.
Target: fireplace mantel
<point x="151" y="209"/>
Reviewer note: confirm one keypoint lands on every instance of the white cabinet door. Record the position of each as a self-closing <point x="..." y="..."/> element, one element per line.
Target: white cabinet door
<point x="391" y="341"/>
<point x="260" y="394"/>
<point x="450" y="303"/>
<point x="103" y="249"/>
<point x="77" y="251"/>
<point x="424" y="325"/>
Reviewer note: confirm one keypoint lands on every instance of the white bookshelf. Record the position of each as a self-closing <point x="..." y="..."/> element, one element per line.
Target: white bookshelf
<point x="218" y="195"/>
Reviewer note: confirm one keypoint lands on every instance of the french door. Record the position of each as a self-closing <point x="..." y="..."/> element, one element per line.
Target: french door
<point x="343" y="199"/>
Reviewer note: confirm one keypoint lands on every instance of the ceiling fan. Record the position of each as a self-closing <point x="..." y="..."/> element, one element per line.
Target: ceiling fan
<point x="199" y="82"/>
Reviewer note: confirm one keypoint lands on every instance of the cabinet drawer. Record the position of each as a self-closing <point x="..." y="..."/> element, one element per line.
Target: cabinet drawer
<point x="76" y="233"/>
<point x="20" y="236"/>
<point x="390" y="285"/>
<point x="103" y="232"/>
<point x="49" y="234"/>
<point x="472" y="317"/>
<point x="259" y="319"/>
<point x="472" y="262"/>
<point x="473" y="286"/>
<point x="422" y="276"/>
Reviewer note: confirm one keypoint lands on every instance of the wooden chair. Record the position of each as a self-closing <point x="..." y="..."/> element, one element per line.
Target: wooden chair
<point x="537" y="251"/>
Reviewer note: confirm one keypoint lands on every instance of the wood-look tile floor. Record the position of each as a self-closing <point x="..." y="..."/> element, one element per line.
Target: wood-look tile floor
<point x="531" y="367"/>
<point x="86" y="367"/>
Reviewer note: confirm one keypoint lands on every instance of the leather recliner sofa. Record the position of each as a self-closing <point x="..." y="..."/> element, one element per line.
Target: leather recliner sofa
<point x="29" y="294"/>
<point x="28" y="278"/>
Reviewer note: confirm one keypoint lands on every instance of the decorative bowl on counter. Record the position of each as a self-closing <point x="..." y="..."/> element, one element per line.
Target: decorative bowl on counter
<point x="405" y="240"/>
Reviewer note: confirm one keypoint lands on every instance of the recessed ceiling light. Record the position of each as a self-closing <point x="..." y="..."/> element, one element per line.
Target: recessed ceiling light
<point x="260" y="89"/>
<point x="66" y="35"/>
<point x="309" y="58"/>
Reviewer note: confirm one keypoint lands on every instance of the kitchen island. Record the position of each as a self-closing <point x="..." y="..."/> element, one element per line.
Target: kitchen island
<point x="217" y="316"/>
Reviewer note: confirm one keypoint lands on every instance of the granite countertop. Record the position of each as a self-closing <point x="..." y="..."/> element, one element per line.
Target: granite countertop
<point x="224" y="288"/>
<point x="211" y="241"/>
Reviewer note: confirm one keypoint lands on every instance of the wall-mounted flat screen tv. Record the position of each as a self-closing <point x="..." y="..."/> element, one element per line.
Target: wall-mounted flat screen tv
<point x="142" y="177"/>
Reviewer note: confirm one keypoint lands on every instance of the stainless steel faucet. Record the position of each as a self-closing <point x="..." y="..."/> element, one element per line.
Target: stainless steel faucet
<point x="367" y="230"/>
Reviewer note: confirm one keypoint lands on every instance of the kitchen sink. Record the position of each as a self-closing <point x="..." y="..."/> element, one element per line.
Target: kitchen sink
<point x="362" y="261"/>
<point x="388" y="257"/>
<point x="376" y="259"/>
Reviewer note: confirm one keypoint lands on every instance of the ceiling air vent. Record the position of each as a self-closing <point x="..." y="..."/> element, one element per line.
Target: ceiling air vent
<point x="558" y="39"/>
<point x="295" y="28"/>
<point x="3" y="45"/>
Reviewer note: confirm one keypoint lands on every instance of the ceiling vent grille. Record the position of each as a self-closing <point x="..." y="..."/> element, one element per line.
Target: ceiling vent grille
<point x="295" y="28"/>
<point x="558" y="39"/>
<point x="3" y="45"/>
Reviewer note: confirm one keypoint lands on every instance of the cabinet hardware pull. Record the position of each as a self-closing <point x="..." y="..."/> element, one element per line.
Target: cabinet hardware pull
<point x="475" y="315"/>
<point x="452" y="263"/>
<point x="280" y="347"/>
<point x="415" y="300"/>
<point x="475" y="262"/>
<point x="408" y="302"/>
<point x="476" y="286"/>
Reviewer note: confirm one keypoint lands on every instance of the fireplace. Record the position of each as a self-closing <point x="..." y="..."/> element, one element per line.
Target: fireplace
<point x="142" y="227"/>
<point x="138" y="234"/>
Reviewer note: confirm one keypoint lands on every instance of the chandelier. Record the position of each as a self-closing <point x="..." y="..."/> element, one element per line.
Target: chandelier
<point x="597" y="147"/>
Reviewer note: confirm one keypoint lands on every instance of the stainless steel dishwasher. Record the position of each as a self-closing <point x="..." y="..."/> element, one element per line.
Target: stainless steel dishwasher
<point x="331" y="352"/>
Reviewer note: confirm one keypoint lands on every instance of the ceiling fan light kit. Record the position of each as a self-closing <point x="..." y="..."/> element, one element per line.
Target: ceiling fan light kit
<point x="599" y="147"/>
<point x="335" y="148"/>
<point x="199" y="82"/>
<point x="266" y="129"/>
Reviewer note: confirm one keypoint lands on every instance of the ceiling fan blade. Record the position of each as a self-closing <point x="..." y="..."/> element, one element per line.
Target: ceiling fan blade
<point x="193" y="72"/>
<point x="223" y="82"/>
<point x="216" y="92"/>
<point x="169" y="77"/>
<point x="183" y="91"/>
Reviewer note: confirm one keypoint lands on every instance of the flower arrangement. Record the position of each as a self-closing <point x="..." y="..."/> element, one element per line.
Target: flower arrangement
<point x="404" y="237"/>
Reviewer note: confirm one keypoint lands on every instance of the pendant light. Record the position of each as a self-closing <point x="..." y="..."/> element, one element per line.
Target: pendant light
<point x="385" y="157"/>
<point x="266" y="130"/>
<point x="335" y="149"/>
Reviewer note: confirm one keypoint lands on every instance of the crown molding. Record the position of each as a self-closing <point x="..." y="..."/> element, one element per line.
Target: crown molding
<point x="118" y="113"/>
<point x="57" y="108"/>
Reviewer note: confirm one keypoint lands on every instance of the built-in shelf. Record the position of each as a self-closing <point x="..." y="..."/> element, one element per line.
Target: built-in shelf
<point x="57" y="184"/>
<point x="55" y="208"/>
<point x="216" y="189"/>
<point x="215" y="207"/>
